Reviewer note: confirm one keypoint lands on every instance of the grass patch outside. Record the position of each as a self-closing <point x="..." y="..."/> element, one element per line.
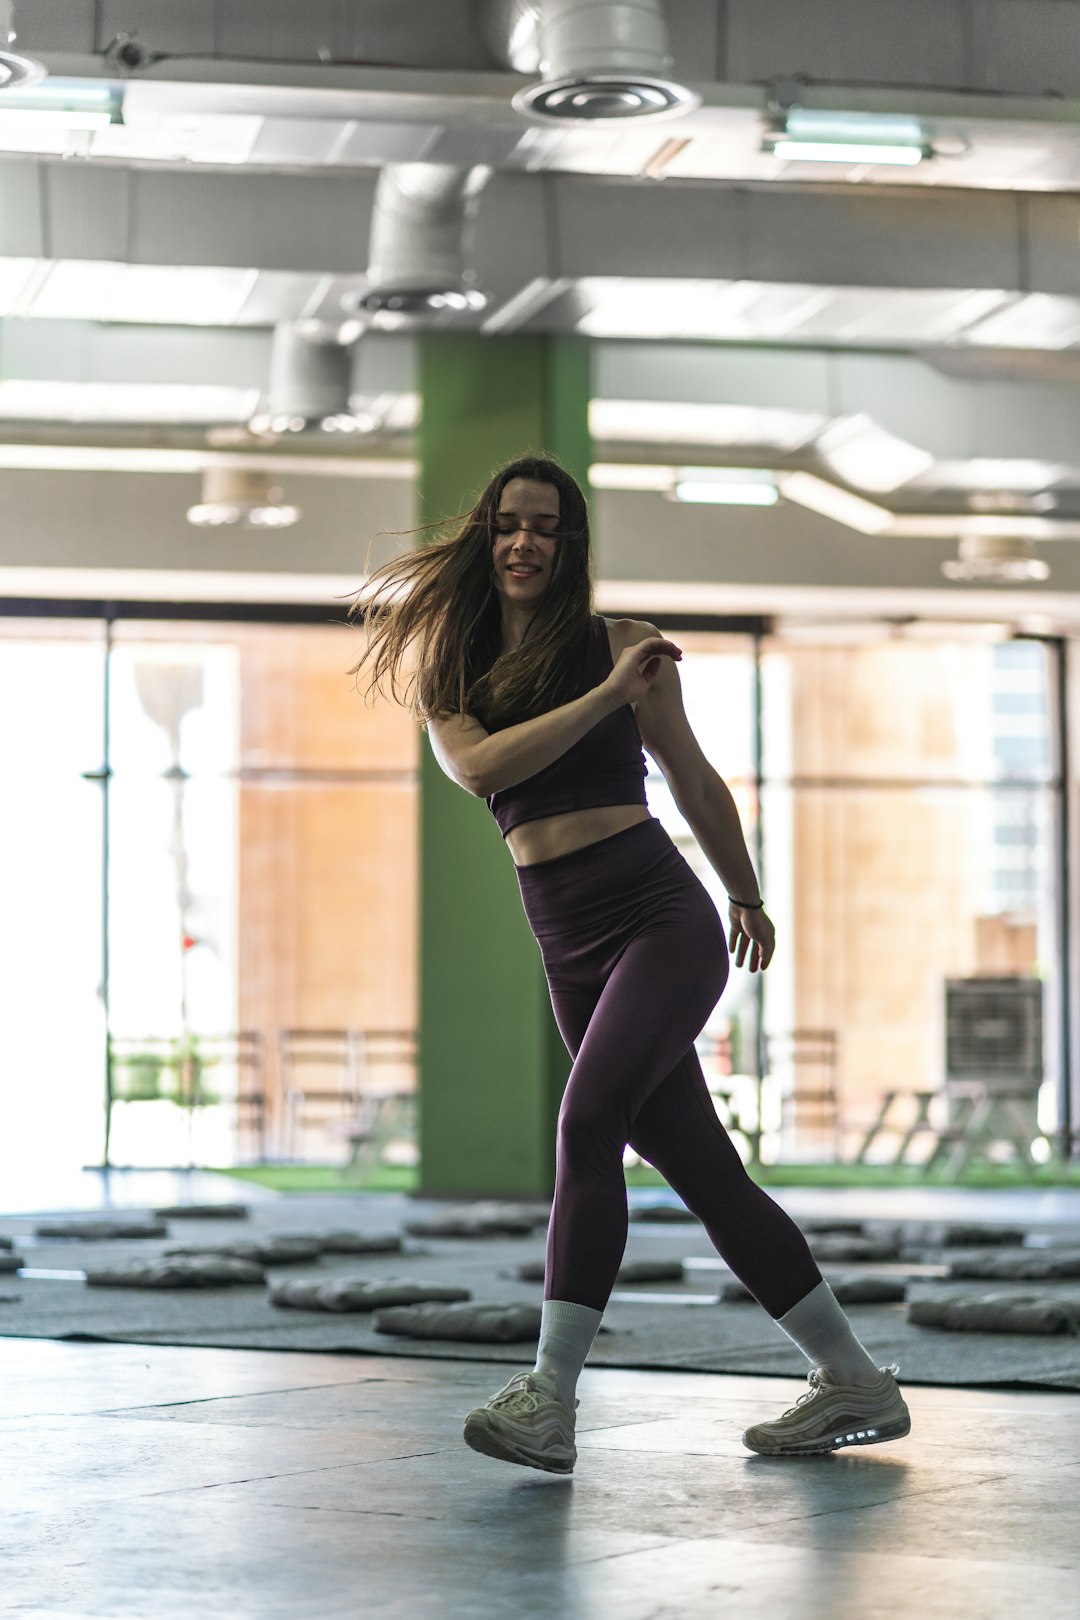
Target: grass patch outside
<point x="327" y="1178"/>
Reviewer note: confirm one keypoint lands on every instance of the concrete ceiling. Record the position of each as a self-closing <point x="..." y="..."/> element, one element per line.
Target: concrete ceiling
<point x="143" y="268"/>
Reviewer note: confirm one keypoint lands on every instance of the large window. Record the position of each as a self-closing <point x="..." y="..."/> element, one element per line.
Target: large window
<point x="210" y="836"/>
<point x="207" y="833"/>
<point x="910" y="797"/>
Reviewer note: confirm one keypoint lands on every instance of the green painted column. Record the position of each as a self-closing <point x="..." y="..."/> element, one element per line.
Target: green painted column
<point x="492" y="1064"/>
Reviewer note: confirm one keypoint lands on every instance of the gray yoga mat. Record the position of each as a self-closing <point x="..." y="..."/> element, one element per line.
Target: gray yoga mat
<point x="673" y="1325"/>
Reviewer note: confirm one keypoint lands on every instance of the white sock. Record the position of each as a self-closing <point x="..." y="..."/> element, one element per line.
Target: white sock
<point x="818" y="1326"/>
<point x="566" y="1333"/>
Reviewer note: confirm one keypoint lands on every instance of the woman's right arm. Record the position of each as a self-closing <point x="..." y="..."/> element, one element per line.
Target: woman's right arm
<point x="487" y="762"/>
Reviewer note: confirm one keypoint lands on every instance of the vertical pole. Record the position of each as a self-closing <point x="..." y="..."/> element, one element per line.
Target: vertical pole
<point x="1063" y="887"/>
<point x="106" y="772"/>
<point x="761" y="1058"/>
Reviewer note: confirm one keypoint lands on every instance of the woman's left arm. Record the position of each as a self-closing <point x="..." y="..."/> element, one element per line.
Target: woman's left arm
<point x="706" y="805"/>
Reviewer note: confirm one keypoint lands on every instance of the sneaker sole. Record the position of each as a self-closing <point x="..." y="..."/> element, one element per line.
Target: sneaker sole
<point x="483" y="1437"/>
<point x="872" y="1435"/>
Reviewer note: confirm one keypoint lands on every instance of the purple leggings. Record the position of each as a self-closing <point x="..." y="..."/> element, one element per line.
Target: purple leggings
<point x="635" y="957"/>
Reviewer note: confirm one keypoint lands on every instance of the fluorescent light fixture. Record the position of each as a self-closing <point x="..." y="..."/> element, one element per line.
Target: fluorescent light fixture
<point x="725" y="486"/>
<point x="61" y="104"/>
<point x="839" y="137"/>
<point x="839" y="504"/>
<point x="850" y="152"/>
<point x="860" y="452"/>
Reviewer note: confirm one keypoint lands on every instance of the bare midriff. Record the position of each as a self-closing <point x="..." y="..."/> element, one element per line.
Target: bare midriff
<point x="549" y="836"/>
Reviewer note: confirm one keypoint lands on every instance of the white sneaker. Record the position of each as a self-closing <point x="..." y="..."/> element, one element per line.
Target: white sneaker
<point x="526" y="1422"/>
<point x="832" y="1415"/>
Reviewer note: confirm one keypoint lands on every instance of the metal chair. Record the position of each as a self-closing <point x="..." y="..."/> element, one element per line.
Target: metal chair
<point x="306" y="1104"/>
<point x="811" y="1058"/>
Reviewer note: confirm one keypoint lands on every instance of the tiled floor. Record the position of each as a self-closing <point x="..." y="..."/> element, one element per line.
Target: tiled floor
<point x="158" y="1482"/>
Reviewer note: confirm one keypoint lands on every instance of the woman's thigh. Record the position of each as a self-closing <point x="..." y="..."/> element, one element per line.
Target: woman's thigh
<point x="626" y="1039"/>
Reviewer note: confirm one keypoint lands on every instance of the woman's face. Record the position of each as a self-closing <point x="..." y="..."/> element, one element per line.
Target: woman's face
<point x="526" y="526"/>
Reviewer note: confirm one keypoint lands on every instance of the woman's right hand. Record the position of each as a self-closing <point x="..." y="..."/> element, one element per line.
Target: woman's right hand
<point x="638" y="667"/>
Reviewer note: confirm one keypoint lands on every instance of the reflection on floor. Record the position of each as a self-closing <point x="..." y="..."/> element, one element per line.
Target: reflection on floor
<point x="161" y="1482"/>
<point x="167" y="1483"/>
<point x="57" y="1189"/>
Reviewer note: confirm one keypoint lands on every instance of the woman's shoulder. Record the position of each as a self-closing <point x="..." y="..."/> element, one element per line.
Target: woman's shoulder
<point x="622" y="633"/>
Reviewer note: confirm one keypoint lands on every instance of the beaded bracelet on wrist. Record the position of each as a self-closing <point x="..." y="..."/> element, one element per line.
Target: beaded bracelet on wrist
<point x="745" y="905"/>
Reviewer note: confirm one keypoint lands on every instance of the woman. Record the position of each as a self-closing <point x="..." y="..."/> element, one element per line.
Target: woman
<point x="540" y="706"/>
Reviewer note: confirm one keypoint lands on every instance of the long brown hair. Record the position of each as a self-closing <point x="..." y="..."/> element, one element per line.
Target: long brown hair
<point x="443" y="597"/>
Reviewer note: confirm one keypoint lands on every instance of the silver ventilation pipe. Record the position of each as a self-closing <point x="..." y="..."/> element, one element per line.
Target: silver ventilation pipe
<point x="420" y="241"/>
<point x="16" y="72"/>
<point x="600" y="59"/>
<point x="310" y="380"/>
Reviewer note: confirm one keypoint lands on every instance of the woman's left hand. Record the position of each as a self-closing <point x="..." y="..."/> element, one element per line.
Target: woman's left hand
<point x="751" y="930"/>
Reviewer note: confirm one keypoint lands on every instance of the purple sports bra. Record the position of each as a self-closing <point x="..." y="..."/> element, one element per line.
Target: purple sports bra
<point x="606" y="766"/>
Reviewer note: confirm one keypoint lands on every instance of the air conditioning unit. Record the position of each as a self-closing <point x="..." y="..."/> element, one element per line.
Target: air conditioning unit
<point x="994" y="1033"/>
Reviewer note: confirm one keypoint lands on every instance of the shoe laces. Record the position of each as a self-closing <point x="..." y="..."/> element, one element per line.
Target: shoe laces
<point x="819" y="1380"/>
<point x="522" y="1391"/>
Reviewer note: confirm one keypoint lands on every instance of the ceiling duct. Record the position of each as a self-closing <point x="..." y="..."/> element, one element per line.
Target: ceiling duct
<point x="420" y="241"/>
<point x="240" y="497"/>
<point x="600" y="59"/>
<point x="995" y="559"/>
<point x="16" y="72"/>
<point x="310" y="382"/>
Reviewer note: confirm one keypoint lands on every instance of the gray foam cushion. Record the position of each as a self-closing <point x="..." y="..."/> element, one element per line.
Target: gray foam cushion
<point x="997" y="1313"/>
<point x="271" y="1251"/>
<point x="629" y="1271"/>
<point x="203" y="1212"/>
<point x="101" y="1230"/>
<point x="343" y="1241"/>
<point x="469" y="1223"/>
<point x="1024" y="1265"/>
<point x="483" y="1324"/>
<point x="853" y="1248"/>
<point x="866" y="1290"/>
<point x="359" y="1294"/>
<point x="194" y="1272"/>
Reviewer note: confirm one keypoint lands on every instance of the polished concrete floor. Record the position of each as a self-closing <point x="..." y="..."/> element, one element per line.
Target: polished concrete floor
<point x="155" y="1482"/>
<point x="166" y="1482"/>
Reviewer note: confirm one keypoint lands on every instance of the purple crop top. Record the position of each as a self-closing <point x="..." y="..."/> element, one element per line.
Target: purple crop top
<point x="606" y="766"/>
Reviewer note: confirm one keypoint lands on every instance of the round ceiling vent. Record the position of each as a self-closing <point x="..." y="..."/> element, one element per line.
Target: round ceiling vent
<point x="598" y="96"/>
<point x="16" y="72"/>
<point x="416" y="300"/>
<point x="995" y="559"/>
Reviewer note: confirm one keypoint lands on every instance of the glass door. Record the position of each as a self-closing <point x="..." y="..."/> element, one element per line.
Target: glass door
<point x="52" y="1017"/>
